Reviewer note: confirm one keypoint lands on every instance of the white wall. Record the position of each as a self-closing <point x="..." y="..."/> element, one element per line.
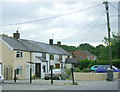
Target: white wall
<point x="0" y="69"/>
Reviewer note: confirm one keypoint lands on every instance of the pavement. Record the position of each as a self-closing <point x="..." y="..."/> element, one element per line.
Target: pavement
<point x="42" y="84"/>
<point x="38" y="81"/>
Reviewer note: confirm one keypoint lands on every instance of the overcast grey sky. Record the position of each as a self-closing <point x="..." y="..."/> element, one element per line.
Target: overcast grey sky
<point x="87" y="26"/>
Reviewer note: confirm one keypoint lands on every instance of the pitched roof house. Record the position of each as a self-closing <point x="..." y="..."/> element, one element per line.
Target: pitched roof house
<point x="16" y="54"/>
<point x="84" y="54"/>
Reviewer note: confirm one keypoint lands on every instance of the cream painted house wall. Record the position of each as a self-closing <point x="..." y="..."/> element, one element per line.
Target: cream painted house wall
<point x="10" y="61"/>
<point x="22" y="61"/>
<point x="7" y="60"/>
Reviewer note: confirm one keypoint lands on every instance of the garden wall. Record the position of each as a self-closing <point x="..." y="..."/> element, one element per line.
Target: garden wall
<point x="93" y="76"/>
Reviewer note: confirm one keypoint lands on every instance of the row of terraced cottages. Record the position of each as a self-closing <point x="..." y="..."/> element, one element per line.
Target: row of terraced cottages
<point x="16" y="53"/>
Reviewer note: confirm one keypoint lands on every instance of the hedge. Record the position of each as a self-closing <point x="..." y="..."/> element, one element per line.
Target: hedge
<point x="88" y="63"/>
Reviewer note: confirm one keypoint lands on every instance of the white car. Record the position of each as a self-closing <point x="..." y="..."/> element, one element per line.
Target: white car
<point x="1" y="79"/>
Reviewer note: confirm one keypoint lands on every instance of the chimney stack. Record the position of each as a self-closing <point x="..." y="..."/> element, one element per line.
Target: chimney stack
<point x="59" y="43"/>
<point x="51" y="41"/>
<point x="16" y="35"/>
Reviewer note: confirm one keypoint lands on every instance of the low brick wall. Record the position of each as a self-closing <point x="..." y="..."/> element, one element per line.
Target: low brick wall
<point x="93" y="76"/>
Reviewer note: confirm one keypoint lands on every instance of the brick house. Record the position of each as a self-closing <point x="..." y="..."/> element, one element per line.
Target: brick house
<point x="84" y="54"/>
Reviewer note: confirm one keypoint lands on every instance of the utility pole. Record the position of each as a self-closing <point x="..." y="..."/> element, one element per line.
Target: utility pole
<point x="108" y="26"/>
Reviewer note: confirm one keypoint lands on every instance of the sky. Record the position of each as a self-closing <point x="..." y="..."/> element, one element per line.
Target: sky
<point x="80" y="23"/>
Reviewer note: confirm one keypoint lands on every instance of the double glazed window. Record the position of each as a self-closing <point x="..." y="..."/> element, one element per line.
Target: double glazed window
<point x="19" y="54"/>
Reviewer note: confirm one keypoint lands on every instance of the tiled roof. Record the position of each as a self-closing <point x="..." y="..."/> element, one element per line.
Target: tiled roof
<point x="34" y="46"/>
<point x="86" y="52"/>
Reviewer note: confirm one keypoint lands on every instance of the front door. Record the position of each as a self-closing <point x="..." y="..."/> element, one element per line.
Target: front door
<point x="38" y="70"/>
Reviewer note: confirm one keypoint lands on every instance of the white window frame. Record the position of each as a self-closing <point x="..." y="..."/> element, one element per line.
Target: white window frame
<point x="19" y="70"/>
<point x="19" y="54"/>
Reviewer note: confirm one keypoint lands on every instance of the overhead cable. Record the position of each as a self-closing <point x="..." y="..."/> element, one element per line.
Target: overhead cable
<point x="114" y="7"/>
<point x="51" y="17"/>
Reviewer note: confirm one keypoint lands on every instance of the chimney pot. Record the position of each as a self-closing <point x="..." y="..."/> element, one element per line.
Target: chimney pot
<point x="16" y="35"/>
<point x="51" y="41"/>
<point x="59" y="43"/>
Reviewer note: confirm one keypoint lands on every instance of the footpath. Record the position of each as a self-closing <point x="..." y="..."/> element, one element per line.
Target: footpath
<point x="39" y="82"/>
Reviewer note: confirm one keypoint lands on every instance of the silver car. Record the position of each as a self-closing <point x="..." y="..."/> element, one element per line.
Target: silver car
<point x="1" y="79"/>
<point x="57" y="74"/>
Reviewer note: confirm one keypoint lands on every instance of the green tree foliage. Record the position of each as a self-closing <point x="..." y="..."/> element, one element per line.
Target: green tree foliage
<point x="101" y="51"/>
<point x="83" y="64"/>
<point x="4" y="35"/>
<point x="68" y="48"/>
<point x="115" y="44"/>
<point x="86" y="46"/>
<point x="87" y="64"/>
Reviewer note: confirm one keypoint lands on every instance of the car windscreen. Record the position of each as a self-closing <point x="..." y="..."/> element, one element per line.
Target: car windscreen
<point x="95" y="66"/>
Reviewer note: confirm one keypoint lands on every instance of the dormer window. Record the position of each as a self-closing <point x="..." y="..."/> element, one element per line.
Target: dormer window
<point x="19" y="54"/>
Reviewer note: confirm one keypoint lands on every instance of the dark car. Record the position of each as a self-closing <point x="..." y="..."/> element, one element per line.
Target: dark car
<point x="104" y="68"/>
<point x="57" y="74"/>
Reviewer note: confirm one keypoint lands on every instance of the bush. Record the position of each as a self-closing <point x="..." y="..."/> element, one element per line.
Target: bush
<point x="77" y="69"/>
<point x="86" y="70"/>
<point x="102" y="62"/>
<point x="68" y="72"/>
<point x="116" y="63"/>
<point x="83" y="64"/>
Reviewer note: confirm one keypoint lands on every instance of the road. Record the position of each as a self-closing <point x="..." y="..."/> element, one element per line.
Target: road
<point x="82" y="85"/>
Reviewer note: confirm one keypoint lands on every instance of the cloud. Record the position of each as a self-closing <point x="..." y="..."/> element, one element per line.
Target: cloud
<point x="72" y="29"/>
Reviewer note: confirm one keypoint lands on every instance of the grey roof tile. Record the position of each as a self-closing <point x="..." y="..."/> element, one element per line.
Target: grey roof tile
<point x="29" y="45"/>
<point x="14" y="43"/>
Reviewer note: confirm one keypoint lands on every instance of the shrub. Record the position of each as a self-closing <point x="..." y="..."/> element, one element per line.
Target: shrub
<point x="68" y="72"/>
<point x="86" y="70"/>
<point x="83" y="64"/>
<point x="77" y="69"/>
<point x="116" y="63"/>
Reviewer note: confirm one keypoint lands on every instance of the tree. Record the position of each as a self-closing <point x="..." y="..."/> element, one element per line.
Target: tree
<point x="115" y="44"/>
<point x="5" y="35"/>
<point x="101" y="51"/>
<point x="68" y="48"/>
<point x="86" y="46"/>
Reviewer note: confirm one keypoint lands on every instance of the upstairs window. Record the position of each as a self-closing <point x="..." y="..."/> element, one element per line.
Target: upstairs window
<point x="51" y="57"/>
<point x="44" y="55"/>
<point x="19" y="54"/>
<point x="60" y="57"/>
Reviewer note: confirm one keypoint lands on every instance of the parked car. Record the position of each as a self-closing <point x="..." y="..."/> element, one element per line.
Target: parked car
<point x="104" y="68"/>
<point x="57" y="74"/>
<point x="94" y="68"/>
<point x="1" y="79"/>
